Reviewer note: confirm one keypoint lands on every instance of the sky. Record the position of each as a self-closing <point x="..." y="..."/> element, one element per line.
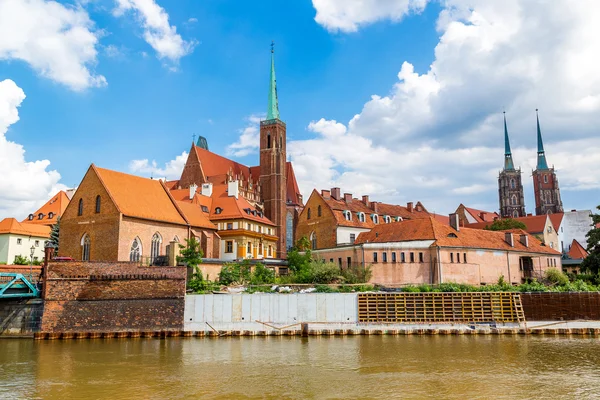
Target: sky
<point x="398" y="99"/>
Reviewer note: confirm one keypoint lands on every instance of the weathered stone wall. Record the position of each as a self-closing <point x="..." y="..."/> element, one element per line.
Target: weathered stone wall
<point x="20" y="317"/>
<point x="101" y="297"/>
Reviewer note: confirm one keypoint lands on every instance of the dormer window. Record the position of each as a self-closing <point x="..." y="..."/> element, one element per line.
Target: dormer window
<point x="31" y="217"/>
<point x="205" y="209"/>
<point x="347" y="215"/>
<point x="387" y="219"/>
<point x="452" y="235"/>
<point x="218" y="210"/>
<point x="398" y="219"/>
<point x="361" y="216"/>
<point x="40" y="216"/>
<point x="375" y="218"/>
<point x="50" y="215"/>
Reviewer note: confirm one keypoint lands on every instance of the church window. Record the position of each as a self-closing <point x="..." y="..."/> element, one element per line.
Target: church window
<point x="268" y="141"/>
<point x="308" y="214"/>
<point x="155" y="248"/>
<point x="375" y="218"/>
<point x="176" y="239"/>
<point x="319" y="211"/>
<point x="98" y="203"/>
<point x="80" y="207"/>
<point x="289" y="231"/>
<point x="135" y="252"/>
<point x="513" y="200"/>
<point x="545" y="178"/>
<point x="85" y="247"/>
<point x="515" y="214"/>
<point x="512" y="184"/>
<point x="280" y="141"/>
<point x="313" y="240"/>
<point x="229" y="246"/>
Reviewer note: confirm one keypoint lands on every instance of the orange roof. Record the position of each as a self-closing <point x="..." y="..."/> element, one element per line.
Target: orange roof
<point x="195" y="216"/>
<point x="54" y="208"/>
<point x="445" y="236"/>
<point x="232" y="208"/>
<point x="11" y="225"/>
<point x="534" y="223"/>
<point x="139" y="197"/>
<point x="482" y="216"/>
<point x="215" y="165"/>
<point x="577" y="252"/>
<point x="444" y="219"/>
<point x="292" y="190"/>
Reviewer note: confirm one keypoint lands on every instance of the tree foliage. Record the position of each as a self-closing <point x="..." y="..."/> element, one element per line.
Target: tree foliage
<point x="55" y="234"/>
<point x="592" y="262"/>
<point x="191" y="254"/>
<point x="505" y="224"/>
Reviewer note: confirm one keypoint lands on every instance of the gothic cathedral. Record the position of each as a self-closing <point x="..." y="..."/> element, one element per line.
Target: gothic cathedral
<point x="545" y="182"/>
<point x="510" y="187"/>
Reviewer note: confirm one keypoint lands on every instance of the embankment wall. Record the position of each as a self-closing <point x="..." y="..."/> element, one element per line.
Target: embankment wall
<point x="20" y="317"/>
<point x="561" y="306"/>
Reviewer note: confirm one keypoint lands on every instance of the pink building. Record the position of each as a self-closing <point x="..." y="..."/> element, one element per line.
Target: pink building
<point x="428" y="251"/>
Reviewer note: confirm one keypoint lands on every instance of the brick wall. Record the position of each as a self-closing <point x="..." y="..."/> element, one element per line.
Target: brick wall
<point x="110" y="297"/>
<point x="144" y="230"/>
<point x="561" y="306"/>
<point x="324" y="226"/>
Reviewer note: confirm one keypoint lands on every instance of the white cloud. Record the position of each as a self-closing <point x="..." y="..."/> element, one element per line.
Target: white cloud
<point x="349" y="15"/>
<point x="57" y="41"/>
<point x="25" y="185"/>
<point x="171" y="171"/>
<point x="249" y="140"/>
<point x="158" y="33"/>
<point x="438" y="135"/>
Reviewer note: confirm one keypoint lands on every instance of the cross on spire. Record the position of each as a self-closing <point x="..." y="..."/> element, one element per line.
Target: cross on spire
<point x="194" y="138"/>
<point x="273" y="106"/>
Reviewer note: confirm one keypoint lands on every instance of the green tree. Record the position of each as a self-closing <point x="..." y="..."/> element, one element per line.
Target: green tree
<point x="505" y="224"/>
<point x="191" y="254"/>
<point x="20" y="260"/>
<point x="592" y="262"/>
<point x="296" y="260"/>
<point x="54" y="235"/>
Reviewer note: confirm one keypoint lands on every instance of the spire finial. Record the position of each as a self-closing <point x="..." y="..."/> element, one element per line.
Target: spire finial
<point x="508" y="161"/>
<point x="541" y="163"/>
<point x="194" y="138"/>
<point x="273" y="106"/>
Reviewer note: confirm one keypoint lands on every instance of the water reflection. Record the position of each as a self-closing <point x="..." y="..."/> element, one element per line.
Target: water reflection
<point x="349" y="367"/>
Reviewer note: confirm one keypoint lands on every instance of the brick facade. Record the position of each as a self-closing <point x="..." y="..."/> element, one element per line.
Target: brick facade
<point x="103" y="297"/>
<point x="323" y="226"/>
<point x="547" y="192"/>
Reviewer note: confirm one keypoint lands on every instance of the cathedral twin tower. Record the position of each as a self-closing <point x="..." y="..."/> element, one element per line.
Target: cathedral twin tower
<point x="545" y="183"/>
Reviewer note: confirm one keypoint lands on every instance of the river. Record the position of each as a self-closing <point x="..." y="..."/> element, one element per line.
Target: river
<point x="445" y="367"/>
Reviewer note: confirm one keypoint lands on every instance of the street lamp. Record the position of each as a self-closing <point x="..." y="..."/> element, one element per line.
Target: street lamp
<point x="31" y="263"/>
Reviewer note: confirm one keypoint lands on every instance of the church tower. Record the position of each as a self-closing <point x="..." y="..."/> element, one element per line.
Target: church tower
<point x="510" y="187"/>
<point x="273" y="163"/>
<point x="545" y="182"/>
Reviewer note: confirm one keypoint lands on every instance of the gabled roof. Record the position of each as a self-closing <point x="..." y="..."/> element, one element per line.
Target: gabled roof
<point x="535" y="223"/>
<point x="215" y="165"/>
<point x="11" y="225"/>
<point x="292" y="190"/>
<point x="139" y="197"/>
<point x="195" y="216"/>
<point x="56" y="205"/>
<point x="234" y="208"/>
<point x="446" y="236"/>
<point x="482" y="216"/>
<point x="577" y="252"/>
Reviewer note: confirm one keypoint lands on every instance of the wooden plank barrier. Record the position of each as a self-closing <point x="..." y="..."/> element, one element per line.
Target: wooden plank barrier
<point x="440" y="307"/>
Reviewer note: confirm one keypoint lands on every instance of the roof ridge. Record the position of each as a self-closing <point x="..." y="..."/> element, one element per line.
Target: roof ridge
<point x="162" y="184"/>
<point x="97" y="172"/>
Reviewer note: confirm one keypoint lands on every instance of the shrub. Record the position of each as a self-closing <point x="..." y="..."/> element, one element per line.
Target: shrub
<point x="262" y="275"/>
<point x="20" y="260"/>
<point x="325" y="289"/>
<point x="235" y="273"/>
<point x="556" y="277"/>
<point x="357" y="274"/>
<point x="533" y="286"/>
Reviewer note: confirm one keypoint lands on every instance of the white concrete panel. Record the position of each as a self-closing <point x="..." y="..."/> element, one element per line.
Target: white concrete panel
<point x="265" y="308"/>
<point x="321" y="310"/>
<point x="293" y="308"/>
<point x="199" y="308"/>
<point x="351" y="308"/>
<point x="282" y="313"/>
<point x="329" y="308"/>
<point x="218" y="314"/>
<point x="246" y="308"/>
<point x="188" y="311"/>
<point x="254" y="306"/>
<point x="208" y="308"/>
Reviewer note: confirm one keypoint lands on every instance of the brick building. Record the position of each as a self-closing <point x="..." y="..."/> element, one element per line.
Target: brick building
<point x="510" y="186"/>
<point x="119" y="217"/>
<point x="425" y="250"/>
<point x="469" y="215"/>
<point x="545" y="182"/>
<point x="330" y="219"/>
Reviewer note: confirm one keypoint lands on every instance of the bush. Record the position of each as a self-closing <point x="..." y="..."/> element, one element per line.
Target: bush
<point x="357" y="274"/>
<point x="556" y="277"/>
<point x="200" y="285"/>
<point x="262" y="275"/>
<point x="533" y="286"/>
<point x="325" y="289"/>
<point x="235" y="273"/>
<point x="20" y="260"/>
<point x="318" y="272"/>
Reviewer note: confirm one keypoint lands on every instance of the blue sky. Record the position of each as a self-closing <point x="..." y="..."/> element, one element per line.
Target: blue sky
<point x="434" y="134"/>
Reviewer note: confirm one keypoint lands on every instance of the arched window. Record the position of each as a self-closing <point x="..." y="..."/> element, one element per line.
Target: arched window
<point x="361" y="216"/>
<point x="375" y="218"/>
<point x="80" y="207"/>
<point x="308" y="214"/>
<point x="85" y="247"/>
<point x="155" y="248"/>
<point x="135" y="253"/>
<point x="387" y="219"/>
<point x="515" y="214"/>
<point x="319" y="211"/>
<point x="513" y="200"/>
<point x="545" y="178"/>
<point x="347" y="215"/>
<point x="218" y="210"/>
<point x="40" y="216"/>
<point x="313" y="240"/>
<point x="31" y="217"/>
<point x="50" y="215"/>
<point x="268" y="141"/>
<point x="98" y="203"/>
<point x="512" y="184"/>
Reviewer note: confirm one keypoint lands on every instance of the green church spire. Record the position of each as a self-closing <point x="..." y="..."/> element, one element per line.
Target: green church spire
<point x="508" y="161"/>
<point x="273" y="108"/>
<point x="541" y="162"/>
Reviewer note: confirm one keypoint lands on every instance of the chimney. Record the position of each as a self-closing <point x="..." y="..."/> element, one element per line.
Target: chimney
<point x="326" y="194"/>
<point x="193" y="188"/>
<point x="365" y="200"/>
<point x="207" y="189"/>
<point x="508" y="238"/>
<point x="409" y="206"/>
<point x="374" y="207"/>
<point x="335" y="193"/>
<point x="524" y="239"/>
<point x="482" y="215"/>
<point x="348" y="198"/>
<point x="453" y="221"/>
<point x="233" y="189"/>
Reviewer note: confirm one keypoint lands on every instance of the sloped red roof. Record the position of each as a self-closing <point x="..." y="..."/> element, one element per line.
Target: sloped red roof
<point x="56" y="205"/>
<point x="215" y="165"/>
<point x="577" y="252"/>
<point x="482" y="216"/>
<point x="446" y="236"/>
<point x="11" y="225"/>
<point x="195" y="216"/>
<point x="232" y="208"/>
<point x="292" y="190"/>
<point x="535" y="224"/>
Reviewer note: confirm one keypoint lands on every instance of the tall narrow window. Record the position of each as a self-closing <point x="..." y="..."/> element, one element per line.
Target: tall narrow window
<point x="268" y="141"/>
<point x="85" y="244"/>
<point x="135" y="253"/>
<point x="393" y="256"/>
<point x="352" y="237"/>
<point x="155" y="249"/>
<point x="384" y="256"/>
<point x="319" y="211"/>
<point x="308" y="214"/>
<point x="451" y="257"/>
<point x="465" y="258"/>
<point x="420" y="257"/>
<point x="412" y="257"/>
<point x="313" y="240"/>
<point x="375" y="257"/>
<point x="458" y="257"/>
<point x="98" y="202"/>
<point x="80" y="207"/>
<point x="402" y="257"/>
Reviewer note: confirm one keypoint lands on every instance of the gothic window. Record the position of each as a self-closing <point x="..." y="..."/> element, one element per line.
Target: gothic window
<point x="512" y="184"/>
<point x="135" y="252"/>
<point x="513" y="200"/>
<point x="155" y="248"/>
<point x="515" y="214"/>
<point x="80" y="207"/>
<point x="98" y="203"/>
<point x="308" y="214"/>
<point x="280" y="141"/>
<point x="319" y="211"/>
<point x="176" y="239"/>
<point x="545" y="178"/>
<point x="313" y="240"/>
<point x="85" y="247"/>
<point x="268" y="141"/>
<point x="289" y="231"/>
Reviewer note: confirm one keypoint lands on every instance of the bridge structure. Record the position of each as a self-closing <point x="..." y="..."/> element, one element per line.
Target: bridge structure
<point x="15" y="285"/>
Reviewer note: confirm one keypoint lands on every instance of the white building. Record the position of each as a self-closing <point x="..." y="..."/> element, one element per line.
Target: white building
<point x="18" y="238"/>
<point x="574" y="226"/>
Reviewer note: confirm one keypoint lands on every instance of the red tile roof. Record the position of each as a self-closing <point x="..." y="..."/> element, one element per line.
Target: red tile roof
<point x="292" y="190"/>
<point x="195" y="216"/>
<point x="232" y="208"/>
<point x="535" y="224"/>
<point x="445" y="236"/>
<point x="482" y="216"/>
<point x="577" y="252"/>
<point x="139" y="197"/>
<point x="11" y="225"/>
<point x="56" y="205"/>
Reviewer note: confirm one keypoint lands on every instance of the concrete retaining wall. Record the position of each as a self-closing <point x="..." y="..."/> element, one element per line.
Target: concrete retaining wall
<point x="264" y="311"/>
<point x="20" y="317"/>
